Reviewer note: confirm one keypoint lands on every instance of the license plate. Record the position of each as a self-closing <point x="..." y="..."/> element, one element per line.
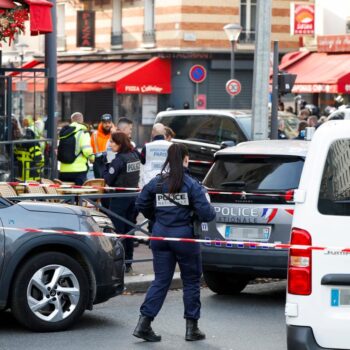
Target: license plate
<point x="340" y="297"/>
<point x="247" y="233"/>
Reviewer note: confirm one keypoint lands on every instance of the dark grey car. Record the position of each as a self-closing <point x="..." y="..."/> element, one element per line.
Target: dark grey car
<point x="48" y="280"/>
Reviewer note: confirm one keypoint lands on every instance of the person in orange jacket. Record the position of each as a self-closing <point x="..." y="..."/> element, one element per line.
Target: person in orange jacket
<point x="99" y="140"/>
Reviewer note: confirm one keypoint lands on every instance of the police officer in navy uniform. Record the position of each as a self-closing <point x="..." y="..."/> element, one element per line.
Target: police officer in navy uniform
<point x="171" y="199"/>
<point x="123" y="171"/>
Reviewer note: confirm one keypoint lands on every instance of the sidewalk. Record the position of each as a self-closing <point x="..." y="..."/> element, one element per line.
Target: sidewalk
<point x="140" y="279"/>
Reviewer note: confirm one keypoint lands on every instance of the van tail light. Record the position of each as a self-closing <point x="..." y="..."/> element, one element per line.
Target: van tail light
<point x="300" y="264"/>
<point x="289" y="196"/>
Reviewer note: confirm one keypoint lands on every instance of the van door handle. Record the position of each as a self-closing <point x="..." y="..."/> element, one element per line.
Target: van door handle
<point x="336" y="279"/>
<point x="203" y="148"/>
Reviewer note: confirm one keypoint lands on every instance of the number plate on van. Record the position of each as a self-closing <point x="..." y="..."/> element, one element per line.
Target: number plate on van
<point x="247" y="233"/>
<point x="340" y="297"/>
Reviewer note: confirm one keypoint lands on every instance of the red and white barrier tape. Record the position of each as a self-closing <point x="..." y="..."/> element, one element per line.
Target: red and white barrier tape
<point x="239" y="244"/>
<point x="288" y="195"/>
<point x="33" y="184"/>
<point x="200" y="162"/>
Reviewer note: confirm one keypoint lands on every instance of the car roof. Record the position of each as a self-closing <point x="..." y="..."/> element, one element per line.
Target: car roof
<point x="270" y="147"/>
<point x="224" y="112"/>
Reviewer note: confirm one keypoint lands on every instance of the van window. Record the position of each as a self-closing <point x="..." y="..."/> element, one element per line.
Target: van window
<point x="255" y="173"/>
<point x="204" y="128"/>
<point x="334" y="197"/>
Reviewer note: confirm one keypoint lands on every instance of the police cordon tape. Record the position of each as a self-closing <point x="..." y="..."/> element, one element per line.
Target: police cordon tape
<point x="200" y="161"/>
<point x="229" y="244"/>
<point x="36" y="184"/>
<point x="288" y="195"/>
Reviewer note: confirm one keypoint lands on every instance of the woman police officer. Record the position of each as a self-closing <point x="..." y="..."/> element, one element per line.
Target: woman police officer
<point x="171" y="199"/>
<point x="123" y="171"/>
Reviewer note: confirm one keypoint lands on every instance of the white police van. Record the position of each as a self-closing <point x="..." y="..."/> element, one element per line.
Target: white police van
<point x="318" y="297"/>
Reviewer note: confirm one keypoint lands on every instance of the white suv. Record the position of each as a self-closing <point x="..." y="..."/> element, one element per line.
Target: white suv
<point x="318" y="297"/>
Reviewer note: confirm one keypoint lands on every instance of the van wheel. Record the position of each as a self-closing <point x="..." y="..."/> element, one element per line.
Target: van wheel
<point x="225" y="283"/>
<point x="50" y="292"/>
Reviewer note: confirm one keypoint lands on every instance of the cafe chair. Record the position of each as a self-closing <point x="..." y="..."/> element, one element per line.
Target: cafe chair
<point x="98" y="182"/>
<point x="7" y="191"/>
<point x="48" y="189"/>
<point x="35" y="189"/>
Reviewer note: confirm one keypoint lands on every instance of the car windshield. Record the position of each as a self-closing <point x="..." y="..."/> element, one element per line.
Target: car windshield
<point x="246" y="125"/>
<point x="207" y="128"/>
<point x="258" y="173"/>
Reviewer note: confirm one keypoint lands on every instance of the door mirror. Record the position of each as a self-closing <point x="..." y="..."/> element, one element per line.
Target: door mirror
<point x="225" y="144"/>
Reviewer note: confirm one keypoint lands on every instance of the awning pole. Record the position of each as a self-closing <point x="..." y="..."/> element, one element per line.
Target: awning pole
<point x="51" y="66"/>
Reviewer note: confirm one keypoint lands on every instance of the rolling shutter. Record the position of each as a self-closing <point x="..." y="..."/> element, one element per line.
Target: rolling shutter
<point x="218" y="98"/>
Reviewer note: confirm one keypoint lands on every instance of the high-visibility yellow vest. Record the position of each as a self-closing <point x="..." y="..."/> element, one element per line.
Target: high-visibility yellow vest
<point x="83" y="148"/>
<point x="30" y="162"/>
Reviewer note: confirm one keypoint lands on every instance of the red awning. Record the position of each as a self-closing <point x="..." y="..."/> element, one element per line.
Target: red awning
<point x="7" y="4"/>
<point x="40" y="16"/>
<point x="319" y="72"/>
<point x="133" y="77"/>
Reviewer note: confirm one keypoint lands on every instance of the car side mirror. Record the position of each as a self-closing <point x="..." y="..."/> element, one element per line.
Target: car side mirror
<point x="225" y="144"/>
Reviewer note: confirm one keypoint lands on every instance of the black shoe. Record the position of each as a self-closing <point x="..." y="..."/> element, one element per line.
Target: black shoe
<point x="144" y="330"/>
<point x="128" y="269"/>
<point x="136" y="243"/>
<point x="193" y="333"/>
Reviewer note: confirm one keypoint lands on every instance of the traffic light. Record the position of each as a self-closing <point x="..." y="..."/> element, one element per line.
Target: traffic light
<point x="286" y="82"/>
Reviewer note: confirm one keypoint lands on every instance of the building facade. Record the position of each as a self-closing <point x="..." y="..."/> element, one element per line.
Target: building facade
<point x="183" y="33"/>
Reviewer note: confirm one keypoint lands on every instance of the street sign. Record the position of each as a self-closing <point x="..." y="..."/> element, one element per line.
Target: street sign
<point x="233" y="87"/>
<point x="197" y="73"/>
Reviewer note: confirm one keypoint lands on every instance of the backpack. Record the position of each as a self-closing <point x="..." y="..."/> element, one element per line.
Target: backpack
<point x="66" y="147"/>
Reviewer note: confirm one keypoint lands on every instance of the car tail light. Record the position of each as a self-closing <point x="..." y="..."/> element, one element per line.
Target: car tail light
<point x="300" y="264"/>
<point x="289" y="196"/>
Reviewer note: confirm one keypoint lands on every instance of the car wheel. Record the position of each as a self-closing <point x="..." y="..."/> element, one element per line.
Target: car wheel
<point x="225" y="283"/>
<point x="50" y="292"/>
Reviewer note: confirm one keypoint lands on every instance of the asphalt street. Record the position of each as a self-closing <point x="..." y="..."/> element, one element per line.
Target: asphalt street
<point x="252" y="320"/>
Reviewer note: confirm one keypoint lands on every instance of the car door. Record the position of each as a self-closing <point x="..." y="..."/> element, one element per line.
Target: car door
<point x="324" y="215"/>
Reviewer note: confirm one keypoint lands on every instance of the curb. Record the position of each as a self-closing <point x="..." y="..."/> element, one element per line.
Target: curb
<point x="140" y="283"/>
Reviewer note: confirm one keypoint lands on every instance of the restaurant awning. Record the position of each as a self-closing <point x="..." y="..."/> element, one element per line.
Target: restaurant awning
<point x="131" y="77"/>
<point x="319" y="72"/>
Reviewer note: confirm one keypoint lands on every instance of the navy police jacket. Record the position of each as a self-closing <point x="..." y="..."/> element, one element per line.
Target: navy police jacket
<point x="123" y="171"/>
<point x="192" y="197"/>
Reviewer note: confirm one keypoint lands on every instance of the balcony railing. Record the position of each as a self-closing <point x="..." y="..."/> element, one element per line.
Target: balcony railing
<point x="149" y="38"/>
<point x="117" y="40"/>
<point x="247" y="37"/>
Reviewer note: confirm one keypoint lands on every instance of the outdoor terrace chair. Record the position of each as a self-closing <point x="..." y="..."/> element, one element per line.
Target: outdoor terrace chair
<point x="7" y="191"/>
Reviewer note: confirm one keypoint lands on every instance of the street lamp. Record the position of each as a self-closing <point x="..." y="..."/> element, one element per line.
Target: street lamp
<point x="20" y="48"/>
<point x="232" y="31"/>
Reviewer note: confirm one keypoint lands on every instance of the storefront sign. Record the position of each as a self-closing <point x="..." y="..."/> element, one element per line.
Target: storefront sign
<point x="315" y="88"/>
<point x="143" y="89"/>
<point x="86" y="29"/>
<point x="302" y="17"/>
<point x="333" y="43"/>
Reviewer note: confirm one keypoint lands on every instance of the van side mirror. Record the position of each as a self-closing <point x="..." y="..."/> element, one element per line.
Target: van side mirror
<point x="225" y="144"/>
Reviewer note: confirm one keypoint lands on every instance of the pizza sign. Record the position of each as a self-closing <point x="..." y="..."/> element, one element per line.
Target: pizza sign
<point x="302" y="19"/>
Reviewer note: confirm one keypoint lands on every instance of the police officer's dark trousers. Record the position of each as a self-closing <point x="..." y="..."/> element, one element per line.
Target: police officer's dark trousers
<point x="124" y="207"/>
<point x="165" y="257"/>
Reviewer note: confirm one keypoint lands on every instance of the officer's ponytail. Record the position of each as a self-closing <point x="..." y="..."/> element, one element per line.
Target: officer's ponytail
<point x="173" y="166"/>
